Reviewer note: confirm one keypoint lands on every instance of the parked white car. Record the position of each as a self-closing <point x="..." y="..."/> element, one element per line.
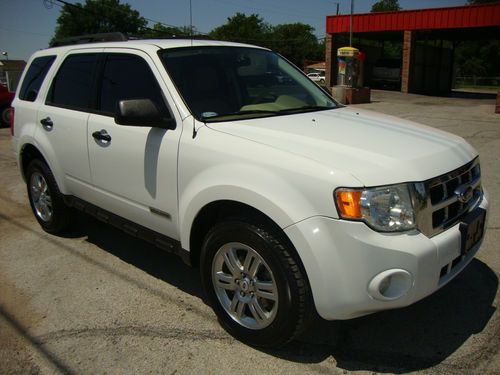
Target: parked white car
<point x="286" y="200"/>
<point x="317" y="77"/>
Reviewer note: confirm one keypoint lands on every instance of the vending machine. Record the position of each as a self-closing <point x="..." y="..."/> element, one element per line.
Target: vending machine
<point x="349" y="66"/>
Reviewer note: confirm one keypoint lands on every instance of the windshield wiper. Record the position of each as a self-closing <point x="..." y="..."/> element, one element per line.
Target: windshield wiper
<point x="244" y="112"/>
<point x="306" y="108"/>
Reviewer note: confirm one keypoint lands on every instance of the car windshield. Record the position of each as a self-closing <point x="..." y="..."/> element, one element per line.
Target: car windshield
<point x="232" y="83"/>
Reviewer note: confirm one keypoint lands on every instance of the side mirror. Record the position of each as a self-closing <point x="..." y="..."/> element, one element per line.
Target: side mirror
<point x="142" y="112"/>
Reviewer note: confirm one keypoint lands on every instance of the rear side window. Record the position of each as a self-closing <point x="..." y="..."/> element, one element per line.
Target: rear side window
<point x="128" y="77"/>
<point x="34" y="77"/>
<point x="73" y="83"/>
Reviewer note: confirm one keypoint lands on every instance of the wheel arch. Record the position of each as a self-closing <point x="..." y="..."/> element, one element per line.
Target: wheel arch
<point x="220" y="210"/>
<point x="28" y="153"/>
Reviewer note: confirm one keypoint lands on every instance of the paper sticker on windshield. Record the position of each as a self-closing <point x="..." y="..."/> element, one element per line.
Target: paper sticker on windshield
<point x="208" y="114"/>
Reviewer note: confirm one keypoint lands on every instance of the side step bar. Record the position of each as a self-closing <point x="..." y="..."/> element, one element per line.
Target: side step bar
<point x="157" y="239"/>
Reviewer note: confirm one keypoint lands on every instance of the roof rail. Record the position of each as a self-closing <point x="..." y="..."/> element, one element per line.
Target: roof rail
<point x="90" y="38"/>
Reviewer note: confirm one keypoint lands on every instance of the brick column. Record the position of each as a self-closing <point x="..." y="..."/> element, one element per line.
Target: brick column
<point x="408" y="44"/>
<point x="329" y="60"/>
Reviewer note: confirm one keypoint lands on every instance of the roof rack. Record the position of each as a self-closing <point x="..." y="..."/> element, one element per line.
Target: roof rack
<point x="194" y="37"/>
<point x="90" y="38"/>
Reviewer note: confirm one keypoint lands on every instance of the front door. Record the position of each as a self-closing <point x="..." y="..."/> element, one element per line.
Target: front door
<point x="134" y="168"/>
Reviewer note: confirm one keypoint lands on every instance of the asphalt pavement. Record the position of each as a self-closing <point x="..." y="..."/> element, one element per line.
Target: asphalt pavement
<point x="101" y="302"/>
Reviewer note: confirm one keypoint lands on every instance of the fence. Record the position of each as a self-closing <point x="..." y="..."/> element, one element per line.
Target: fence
<point x="490" y="82"/>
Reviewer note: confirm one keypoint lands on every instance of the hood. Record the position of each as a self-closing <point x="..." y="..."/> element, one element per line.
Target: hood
<point x="375" y="148"/>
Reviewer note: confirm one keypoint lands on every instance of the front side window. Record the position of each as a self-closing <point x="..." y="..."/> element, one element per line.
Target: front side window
<point x="128" y="77"/>
<point x="231" y="83"/>
<point x="72" y="85"/>
<point x="34" y="77"/>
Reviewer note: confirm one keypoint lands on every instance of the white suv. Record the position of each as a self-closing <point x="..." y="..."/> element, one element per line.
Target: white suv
<point x="286" y="200"/>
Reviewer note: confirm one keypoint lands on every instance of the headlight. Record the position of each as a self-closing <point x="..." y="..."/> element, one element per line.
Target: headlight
<point x="385" y="209"/>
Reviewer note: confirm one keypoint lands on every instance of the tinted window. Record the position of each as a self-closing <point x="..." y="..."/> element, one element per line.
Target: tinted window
<point x="128" y="77"/>
<point x="72" y="86"/>
<point x="34" y="77"/>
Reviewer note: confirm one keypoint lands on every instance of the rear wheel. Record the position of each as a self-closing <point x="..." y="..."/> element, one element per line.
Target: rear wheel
<point x="5" y="116"/>
<point x="255" y="283"/>
<point x="45" y="198"/>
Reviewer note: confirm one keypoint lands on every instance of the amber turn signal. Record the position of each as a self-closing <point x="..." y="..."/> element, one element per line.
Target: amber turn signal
<point x="348" y="204"/>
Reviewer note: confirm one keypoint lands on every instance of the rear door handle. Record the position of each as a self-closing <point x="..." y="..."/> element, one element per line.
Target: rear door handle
<point x="47" y="123"/>
<point x="102" y="135"/>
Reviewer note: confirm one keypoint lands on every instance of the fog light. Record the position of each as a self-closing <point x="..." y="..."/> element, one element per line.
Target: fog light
<point x="390" y="285"/>
<point x="384" y="285"/>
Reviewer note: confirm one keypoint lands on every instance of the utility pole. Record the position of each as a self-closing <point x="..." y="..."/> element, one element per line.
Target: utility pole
<point x="338" y="6"/>
<point x="350" y="25"/>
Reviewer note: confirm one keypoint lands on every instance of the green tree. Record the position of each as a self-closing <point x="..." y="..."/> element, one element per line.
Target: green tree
<point x="386" y="6"/>
<point x="98" y="16"/>
<point x="244" y="29"/>
<point x="297" y="42"/>
<point x="478" y="58"/>
<point x="161" y="31"/>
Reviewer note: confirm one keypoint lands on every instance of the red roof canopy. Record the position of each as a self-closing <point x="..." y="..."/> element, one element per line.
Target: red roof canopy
<point x="484" y="15"/>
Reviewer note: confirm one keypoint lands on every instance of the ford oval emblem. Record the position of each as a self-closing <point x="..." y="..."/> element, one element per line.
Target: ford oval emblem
<point x="464" y="193"/>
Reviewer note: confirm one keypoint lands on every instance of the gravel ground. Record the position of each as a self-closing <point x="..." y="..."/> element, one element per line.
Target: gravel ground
<point x="99" y="301"/>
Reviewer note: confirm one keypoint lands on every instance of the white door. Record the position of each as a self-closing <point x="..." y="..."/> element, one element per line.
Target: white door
<point x="134" y="168"/>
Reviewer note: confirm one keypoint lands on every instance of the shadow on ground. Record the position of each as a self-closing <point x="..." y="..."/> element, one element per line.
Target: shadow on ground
<point x="409" y="339"/>
<point x="154" y="261"/>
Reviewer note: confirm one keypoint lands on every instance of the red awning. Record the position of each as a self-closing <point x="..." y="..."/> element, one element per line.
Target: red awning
<point x="484" y="15"/>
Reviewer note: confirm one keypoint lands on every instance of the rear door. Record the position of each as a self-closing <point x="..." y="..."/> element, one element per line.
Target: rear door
<point x="62" y="120"/>
<point x="135" y="172"/>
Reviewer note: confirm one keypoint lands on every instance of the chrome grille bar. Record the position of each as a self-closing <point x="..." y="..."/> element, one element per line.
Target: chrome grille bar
<point x="436" y="201"/>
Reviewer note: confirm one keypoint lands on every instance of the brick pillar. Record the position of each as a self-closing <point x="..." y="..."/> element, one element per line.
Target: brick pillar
<point x="329" y="63"/>
<point x="408" y="44"/>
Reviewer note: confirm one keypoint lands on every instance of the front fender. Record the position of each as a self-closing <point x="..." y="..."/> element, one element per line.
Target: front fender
<point x="248" y="184"/>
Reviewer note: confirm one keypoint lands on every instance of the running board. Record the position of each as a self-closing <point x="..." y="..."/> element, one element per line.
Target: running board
<point x="157" y="239"/>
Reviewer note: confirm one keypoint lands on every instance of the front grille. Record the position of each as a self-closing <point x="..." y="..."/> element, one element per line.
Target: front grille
<point x="441" y="201"/>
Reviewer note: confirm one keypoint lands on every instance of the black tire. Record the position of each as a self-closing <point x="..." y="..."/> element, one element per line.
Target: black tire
<point x="321" y="81"/>
<point x="5" y="116"/>
<point x="294" y="301"/>
<point x="61" y="216"/>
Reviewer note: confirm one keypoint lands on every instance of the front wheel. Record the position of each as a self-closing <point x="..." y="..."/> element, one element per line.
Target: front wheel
<point x="255" y="284"/>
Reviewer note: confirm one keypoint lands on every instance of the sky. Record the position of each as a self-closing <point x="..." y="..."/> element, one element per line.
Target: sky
<point x="27" y="25"/>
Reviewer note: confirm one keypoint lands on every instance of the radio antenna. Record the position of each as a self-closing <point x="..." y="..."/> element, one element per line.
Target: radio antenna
<point x="191" y="21"/>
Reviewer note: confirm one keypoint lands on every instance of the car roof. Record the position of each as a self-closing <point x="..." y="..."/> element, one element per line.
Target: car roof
<point x="146" y="44"/>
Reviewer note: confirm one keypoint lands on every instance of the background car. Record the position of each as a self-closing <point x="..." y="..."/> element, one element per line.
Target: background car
<point x="317" y="77"/>
<point x="6" y="98"/>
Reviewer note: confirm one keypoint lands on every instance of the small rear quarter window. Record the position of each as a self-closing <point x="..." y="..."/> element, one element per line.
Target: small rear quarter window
<point x="34" y="77"/>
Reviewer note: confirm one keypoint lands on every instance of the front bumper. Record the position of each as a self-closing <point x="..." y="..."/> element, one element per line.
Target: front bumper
<point x="344" y="259"/>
